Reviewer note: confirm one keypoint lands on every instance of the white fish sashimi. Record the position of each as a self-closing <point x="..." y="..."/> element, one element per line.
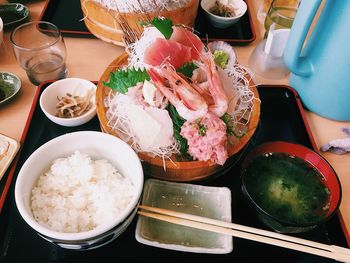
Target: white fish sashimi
<point x="146" y="129"/>
<point x="240" y="97"/>
<point x="151" y="127"/>
<point x="165" y="137"/>
<point x="230" y="90"/>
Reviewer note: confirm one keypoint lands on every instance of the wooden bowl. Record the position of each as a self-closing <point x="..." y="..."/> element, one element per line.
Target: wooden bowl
<point x="102" y="21"/>
<point x="179" y="171"/>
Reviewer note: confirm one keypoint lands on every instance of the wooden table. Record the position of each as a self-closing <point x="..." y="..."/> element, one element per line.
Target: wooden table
<point x="88" y="58"/>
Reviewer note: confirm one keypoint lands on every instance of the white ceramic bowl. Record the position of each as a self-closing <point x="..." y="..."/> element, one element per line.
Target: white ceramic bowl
<point x="220" y="21"/>
<point x="60" y="88"/>
<point x="97" y="145"/>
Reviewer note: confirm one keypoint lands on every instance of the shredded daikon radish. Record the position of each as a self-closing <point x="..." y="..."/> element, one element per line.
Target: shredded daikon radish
<point x="128" y="6"/>
<point x="241" y="105"/>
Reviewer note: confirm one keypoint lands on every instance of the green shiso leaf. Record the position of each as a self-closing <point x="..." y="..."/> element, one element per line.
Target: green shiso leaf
<point x="122" y="79"/>
<point x="187" y="69"/>
<point x="178" y="121"/>
<point x="202" y="130"/>
<point x="164" y="25"/>
<point x="227" y="120"/>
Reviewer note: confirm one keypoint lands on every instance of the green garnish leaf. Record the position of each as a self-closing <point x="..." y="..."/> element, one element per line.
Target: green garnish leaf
<point x="187" y="69"/>
<point x="202" y="129"/>
<point x="230" y="128"/>
<point x="221" y="58"/>
<point x="122" y="79"/>
<point x="164" y="25"/>
<point x="178" y="121"/>
<point x="227" y="120"/>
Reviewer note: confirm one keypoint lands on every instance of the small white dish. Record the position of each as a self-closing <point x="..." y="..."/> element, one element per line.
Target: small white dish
<point x="8" y="150"/>
<point x="207" y="201"/>
<point x="75" y="86"/>
<point x="1" y="31"/>
<point x="10" y="85"/>
<point x="221" y="21"/>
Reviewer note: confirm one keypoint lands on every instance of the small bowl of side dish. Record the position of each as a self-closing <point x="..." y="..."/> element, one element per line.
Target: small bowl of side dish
<point x="69" y="102"/>
<point x="224" y="13"/>
<point x="13" y="14"/>
<point x="80" y="190"/>
<point x="10" y="85"/>
<point x="1" y="32"/>
<point x="291" y="188"/>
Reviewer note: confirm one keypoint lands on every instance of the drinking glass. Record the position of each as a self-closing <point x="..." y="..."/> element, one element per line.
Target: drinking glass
<point x="266" y="59"/>
<point x="263" y="8"/>
<point x="40" y="50"/>
<point x="281" y="13"/>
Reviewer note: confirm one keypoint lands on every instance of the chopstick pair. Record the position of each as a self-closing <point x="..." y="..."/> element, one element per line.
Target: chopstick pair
<point x="329" y="251"/>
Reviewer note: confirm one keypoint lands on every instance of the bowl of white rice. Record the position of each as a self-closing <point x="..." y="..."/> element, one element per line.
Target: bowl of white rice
<point x="80" y="190"/>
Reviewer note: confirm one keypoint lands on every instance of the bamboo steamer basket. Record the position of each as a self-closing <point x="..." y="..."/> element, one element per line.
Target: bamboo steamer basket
<point x="103" y="22"/>
<point x="177" y="171"/>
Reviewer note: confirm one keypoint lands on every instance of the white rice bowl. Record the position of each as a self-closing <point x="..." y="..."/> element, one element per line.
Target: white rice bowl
<point x="78" y="225"/>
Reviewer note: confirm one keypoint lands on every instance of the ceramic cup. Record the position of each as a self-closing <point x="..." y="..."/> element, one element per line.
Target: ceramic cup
<point x="40" y="50"/>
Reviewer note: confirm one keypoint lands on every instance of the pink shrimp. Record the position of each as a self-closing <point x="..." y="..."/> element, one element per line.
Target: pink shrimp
<point x="188" y="102"/>
<point x="215" y="86"/>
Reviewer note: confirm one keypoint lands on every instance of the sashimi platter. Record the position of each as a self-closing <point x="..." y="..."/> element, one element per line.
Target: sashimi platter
<point x="186" y="107"/>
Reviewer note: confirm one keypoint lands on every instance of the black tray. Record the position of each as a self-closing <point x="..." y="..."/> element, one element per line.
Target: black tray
<point x="282" y="118"/>
<point x="67" y="15"/>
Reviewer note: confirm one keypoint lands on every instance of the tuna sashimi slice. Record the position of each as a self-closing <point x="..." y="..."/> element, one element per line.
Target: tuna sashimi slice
<point x="167" y="50"/>
<point x="189" y="39"/>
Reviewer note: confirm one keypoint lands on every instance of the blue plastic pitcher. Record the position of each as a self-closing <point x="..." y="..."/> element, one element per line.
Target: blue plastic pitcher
<point x="321" y="69"/>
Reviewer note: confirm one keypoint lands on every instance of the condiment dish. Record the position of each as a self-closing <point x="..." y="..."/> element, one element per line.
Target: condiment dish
<point x="219" y="21"/>
<point x="208" y="201"/>
<point x="10" y="85"/>
<point x="291" y="188"/>
<point x="8" y="150"/>
<point x="65" y="90"/>
<point x="99" y="147"/>
<point x="1" y="32"/>
<point x="13" y="14"/>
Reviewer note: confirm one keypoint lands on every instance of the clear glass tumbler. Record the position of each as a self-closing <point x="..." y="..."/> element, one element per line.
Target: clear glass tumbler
<point x="281" y="13"/>
<point x="40" y="50"/>
<point x="263" y="8"/>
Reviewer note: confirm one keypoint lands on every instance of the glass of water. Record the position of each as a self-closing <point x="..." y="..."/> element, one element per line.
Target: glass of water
<point x="281" y="14"/>
<point x="40" y="50"/>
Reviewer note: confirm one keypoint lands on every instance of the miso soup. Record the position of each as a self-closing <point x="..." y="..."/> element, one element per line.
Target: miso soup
<point x="287" y="188"/>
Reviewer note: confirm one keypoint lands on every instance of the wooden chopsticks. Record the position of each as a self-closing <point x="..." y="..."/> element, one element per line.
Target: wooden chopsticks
<point x="329" y="251"/>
